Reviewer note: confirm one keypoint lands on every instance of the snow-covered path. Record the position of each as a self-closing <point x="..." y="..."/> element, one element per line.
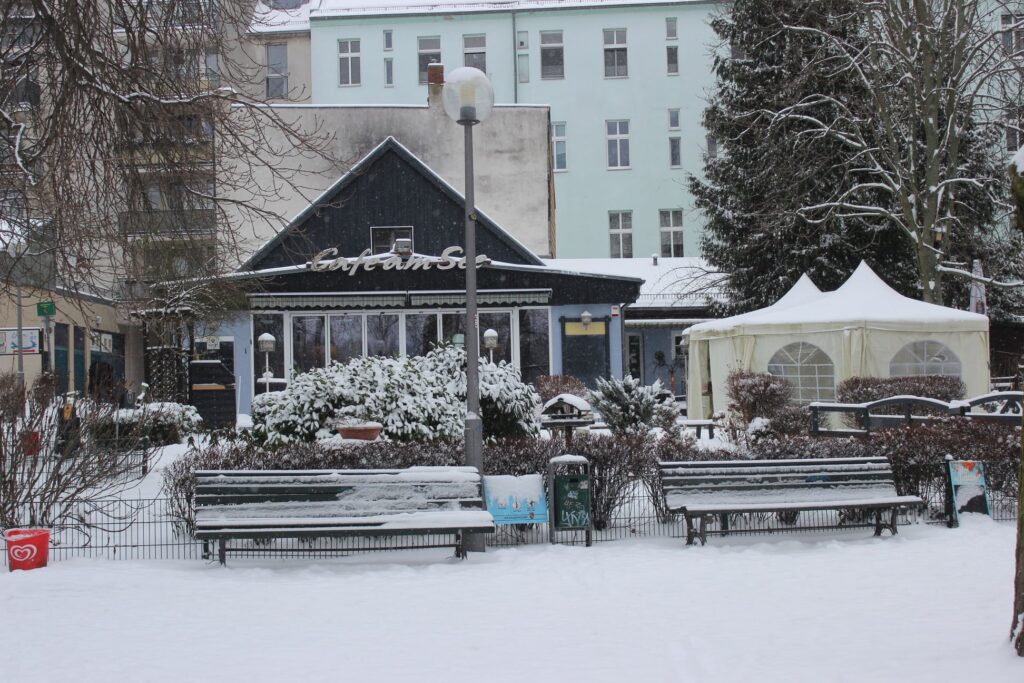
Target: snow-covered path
<point x="930" y="604"/>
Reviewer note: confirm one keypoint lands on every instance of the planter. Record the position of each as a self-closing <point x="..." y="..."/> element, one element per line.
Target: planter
<point x="366" y="431"/>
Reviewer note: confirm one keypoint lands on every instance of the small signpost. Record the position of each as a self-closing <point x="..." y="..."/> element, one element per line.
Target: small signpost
<point x="45" y="309"/>
<point x="569" y="492"/>
<point x="967" y="489"/>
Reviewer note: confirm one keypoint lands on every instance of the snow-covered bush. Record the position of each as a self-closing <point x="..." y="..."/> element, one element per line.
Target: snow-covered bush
<point x="761" y="407"/>
<point x="163" y="423"/>
<point x="416" y="398"/>
<point x="629" y="407"/>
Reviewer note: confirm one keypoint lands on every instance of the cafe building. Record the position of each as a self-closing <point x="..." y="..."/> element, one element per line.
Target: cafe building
<point x="375" y="266"/>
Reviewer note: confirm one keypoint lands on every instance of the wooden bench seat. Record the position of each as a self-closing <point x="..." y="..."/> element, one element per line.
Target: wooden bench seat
<point x="701" y="490"/>
<point x="261" y="504"/>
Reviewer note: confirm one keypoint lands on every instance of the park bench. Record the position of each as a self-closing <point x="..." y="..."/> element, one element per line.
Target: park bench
<point x="703" y="490"/>
<point x="269" y="504"/>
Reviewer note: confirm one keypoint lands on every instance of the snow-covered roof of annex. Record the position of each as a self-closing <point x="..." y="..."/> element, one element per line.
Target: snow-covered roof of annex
<point x="863" y="300"/>
<point x="680" y="282"/>
<point x="269" y="20"/>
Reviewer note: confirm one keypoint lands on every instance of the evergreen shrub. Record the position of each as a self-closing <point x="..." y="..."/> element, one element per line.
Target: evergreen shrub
<point x="630" y="408"/>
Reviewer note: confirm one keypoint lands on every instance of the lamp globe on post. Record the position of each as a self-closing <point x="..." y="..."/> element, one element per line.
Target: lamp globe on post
<point x="490" y="341"/>
<point x="267" y="345"/>
<point x="468" y="99"/>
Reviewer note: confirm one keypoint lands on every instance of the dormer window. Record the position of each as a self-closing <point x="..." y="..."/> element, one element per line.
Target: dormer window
<point x="383" y="239"/>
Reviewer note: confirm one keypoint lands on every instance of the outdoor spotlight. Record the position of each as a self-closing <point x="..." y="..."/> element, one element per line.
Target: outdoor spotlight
<point x="586" y="317"/>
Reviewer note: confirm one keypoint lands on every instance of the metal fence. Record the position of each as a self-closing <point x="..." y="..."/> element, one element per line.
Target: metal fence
<point x="147" y="529"/>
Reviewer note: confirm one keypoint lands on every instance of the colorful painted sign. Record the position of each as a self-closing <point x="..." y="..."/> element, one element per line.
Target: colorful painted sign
<point x="29" y="341"/>
<point x="970" y="494"/>
<point x="516" y="500"/>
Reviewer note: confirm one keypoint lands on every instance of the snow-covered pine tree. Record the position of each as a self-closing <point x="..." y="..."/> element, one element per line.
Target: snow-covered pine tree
<point x="752" y="194"/>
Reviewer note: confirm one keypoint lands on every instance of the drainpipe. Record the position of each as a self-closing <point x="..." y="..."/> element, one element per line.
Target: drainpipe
<point x="515" y="60"/>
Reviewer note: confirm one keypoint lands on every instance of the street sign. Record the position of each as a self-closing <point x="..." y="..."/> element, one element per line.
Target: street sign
<point x="45" y="308"/>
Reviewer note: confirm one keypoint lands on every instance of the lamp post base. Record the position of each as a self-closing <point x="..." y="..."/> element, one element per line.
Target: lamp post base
<point x="474" y="457"/>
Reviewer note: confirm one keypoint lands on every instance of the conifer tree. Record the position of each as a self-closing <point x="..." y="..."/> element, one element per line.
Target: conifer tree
<point x="754" y="194"/>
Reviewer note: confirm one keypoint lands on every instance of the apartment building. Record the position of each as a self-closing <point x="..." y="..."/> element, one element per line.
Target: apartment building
<point x="625" y="82"/>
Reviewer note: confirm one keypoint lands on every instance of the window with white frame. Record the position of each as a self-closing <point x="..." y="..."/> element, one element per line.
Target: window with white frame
<point x="618" y="143"/>
<point x="671" y="28"/>
<point x="389" y="40"/>
<point x="672" y="60"/>
<point x="523" y="67"/>
<point x="673" y="119"/>
<point x="809" y="371"/>
<point x="675" y="154"/>
<point x="620" y="231"/>
<point x="552" y="55"/>
<point x="671" y="229"/>
<point x="924" y="357"/>
<point x="474" y="52"/>
<point x="615" y="63"/>
<point x="348" y="62"/>
<point x="558" y="146"/>
<point x="382" y="238"/>
<point x="211" y="68"/>
<point x="389" y="72"/>
<point x="277" y="70"/>
<point x="428" y="52"/>
<point x="712" y="146"/>
<point x="1012" y="33"/>
<point x="1013" y="123"/>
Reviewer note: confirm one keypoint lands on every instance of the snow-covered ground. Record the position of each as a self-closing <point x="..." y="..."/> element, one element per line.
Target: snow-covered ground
<point x="930" y="604"/>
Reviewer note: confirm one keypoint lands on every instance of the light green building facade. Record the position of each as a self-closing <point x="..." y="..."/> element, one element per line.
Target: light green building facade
<point x="625" y="109"/>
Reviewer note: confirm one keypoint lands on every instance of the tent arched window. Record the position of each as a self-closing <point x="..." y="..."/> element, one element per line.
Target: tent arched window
<point x="809" y="371"/>
<point x="924" y="357"/>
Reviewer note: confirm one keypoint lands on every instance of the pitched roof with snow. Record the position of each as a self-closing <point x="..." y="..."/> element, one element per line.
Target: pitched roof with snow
<point x="681" y="282"/>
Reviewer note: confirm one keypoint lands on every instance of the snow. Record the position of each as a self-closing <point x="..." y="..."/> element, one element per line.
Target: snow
<point x="573" y="400"/>
<point x="669" y="283"/>
<point x="1018" y="160"/>
<point x="569" y="460"/>
<point x="812" y="607"/>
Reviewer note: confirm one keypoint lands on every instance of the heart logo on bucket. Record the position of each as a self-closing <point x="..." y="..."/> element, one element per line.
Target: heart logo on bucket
<point x="24" y="553"/>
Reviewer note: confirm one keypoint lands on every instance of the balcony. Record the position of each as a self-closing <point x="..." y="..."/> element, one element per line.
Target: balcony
<point x="169" y="224"/>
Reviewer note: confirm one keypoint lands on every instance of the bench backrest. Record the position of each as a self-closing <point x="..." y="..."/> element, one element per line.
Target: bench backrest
<point x="301" y="493"/>
<point x="782" y="476"/>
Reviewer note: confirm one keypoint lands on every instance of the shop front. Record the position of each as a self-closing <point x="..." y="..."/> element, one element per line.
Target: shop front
<point x="358" y="275"/>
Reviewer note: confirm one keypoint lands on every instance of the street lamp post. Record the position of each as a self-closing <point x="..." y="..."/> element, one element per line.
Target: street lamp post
<point x="267" y="344"/>
<point x="468" y="99"/>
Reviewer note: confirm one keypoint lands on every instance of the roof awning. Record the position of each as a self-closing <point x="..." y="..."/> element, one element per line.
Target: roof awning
<point x="363" y="300"/>
<point x="662" y="323"/>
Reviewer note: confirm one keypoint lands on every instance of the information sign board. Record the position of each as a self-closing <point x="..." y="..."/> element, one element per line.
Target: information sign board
<point x="516" y="500"/>
<point x="45" y="308"/>
<point x="29" y="341"/>
<point x="970" y="494"/>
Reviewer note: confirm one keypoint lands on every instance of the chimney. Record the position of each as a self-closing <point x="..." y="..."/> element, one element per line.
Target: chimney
<point x="654" y="258"/>
<point x="435" y="83"/>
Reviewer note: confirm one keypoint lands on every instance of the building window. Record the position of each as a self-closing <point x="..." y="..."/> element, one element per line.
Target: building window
<point x="348" y="62"/>
<point x="522" y="40"/>
<point x="429" y="52"/>
<point x="552" y="55"/>
<point x="671" y="31"/>
<point x="615" y="53"/>
<point x="924" y="358"/>
<point x="618" y="144"/>
<point x="382" y="239"/>
<point x="388" y="40"/>
<point x="674" y="153"/>
<point x="211" y="68"/>
<point x="1014" y="125"/>
<point x="389" y="71"/>
<point x="277" y="70"/>
<point x="809" y="371"/>
<point x="308" y="348"/>
<point x="1013" y="33"/>
<point x="673" y="119"/>
<point x="523" y="67"/>
<point x="671" y="232"/>
<point x="620" y="230"/>
<point x="712" y="146"/>
<point x="672" y="60"/>
<point x="558" y="145"/>
<point x="474" y="52"/>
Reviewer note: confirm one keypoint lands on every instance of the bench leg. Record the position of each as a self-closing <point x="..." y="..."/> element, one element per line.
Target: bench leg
<point x="460" y="545"/>
<point x="892" y="521"/>
<point x="704" y="529"/>
<point x="878" y="522"/>
<point x="690" y="530"/>
<point x="222" y="551"/>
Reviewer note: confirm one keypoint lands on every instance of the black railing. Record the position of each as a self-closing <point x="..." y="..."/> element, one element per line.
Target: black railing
<point x="169" y="223"/>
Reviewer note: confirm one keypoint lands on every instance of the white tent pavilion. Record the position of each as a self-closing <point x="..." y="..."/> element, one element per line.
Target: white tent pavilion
<point x="818" y="339"/>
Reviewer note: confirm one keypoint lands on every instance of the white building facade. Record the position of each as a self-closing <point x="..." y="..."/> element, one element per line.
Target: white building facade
<point x="626" y="83"/>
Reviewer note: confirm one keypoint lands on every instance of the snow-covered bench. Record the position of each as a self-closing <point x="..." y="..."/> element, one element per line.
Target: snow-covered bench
<point x="267" y="504"/>
<point x="702" y="490"/>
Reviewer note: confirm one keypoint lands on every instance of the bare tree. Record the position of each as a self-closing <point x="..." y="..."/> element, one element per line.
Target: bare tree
<point x="1017" y="625"/>
<point x="939" y="74"/>
<point x="114" y="116"/>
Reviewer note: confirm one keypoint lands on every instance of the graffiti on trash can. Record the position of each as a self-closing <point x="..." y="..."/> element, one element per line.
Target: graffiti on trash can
<point x="574" y="519"/>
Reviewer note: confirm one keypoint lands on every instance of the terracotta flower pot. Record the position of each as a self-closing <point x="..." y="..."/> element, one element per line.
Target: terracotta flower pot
<point x="363" y="432"/>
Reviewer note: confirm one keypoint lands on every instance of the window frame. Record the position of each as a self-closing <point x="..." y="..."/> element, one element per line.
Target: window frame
<point x="796" y="356"/>
<point x="281" y="77"/>
<point x="673" y="112"/>
<point x="354" y="61"/>
<point x="1012" y="39"/>
<point x="711" y="146"/>
<point x="422" y="52"/>
<point x="670" y="51"/>
<point x="555" y="140"/>
<point x="619" y="234"/>
<point x="375" y="229"/>
<point x="388" y="40"/>
<point x="672" y="229"/>
<point x="468" y="50"/>
<point x="616" y="49"/>
<point x="621" y="141"/>
<point x="671" y="28"/>
<point x="389" y="72"/>
<point x="675" y="148"/>
<point x="552" y="48"/>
